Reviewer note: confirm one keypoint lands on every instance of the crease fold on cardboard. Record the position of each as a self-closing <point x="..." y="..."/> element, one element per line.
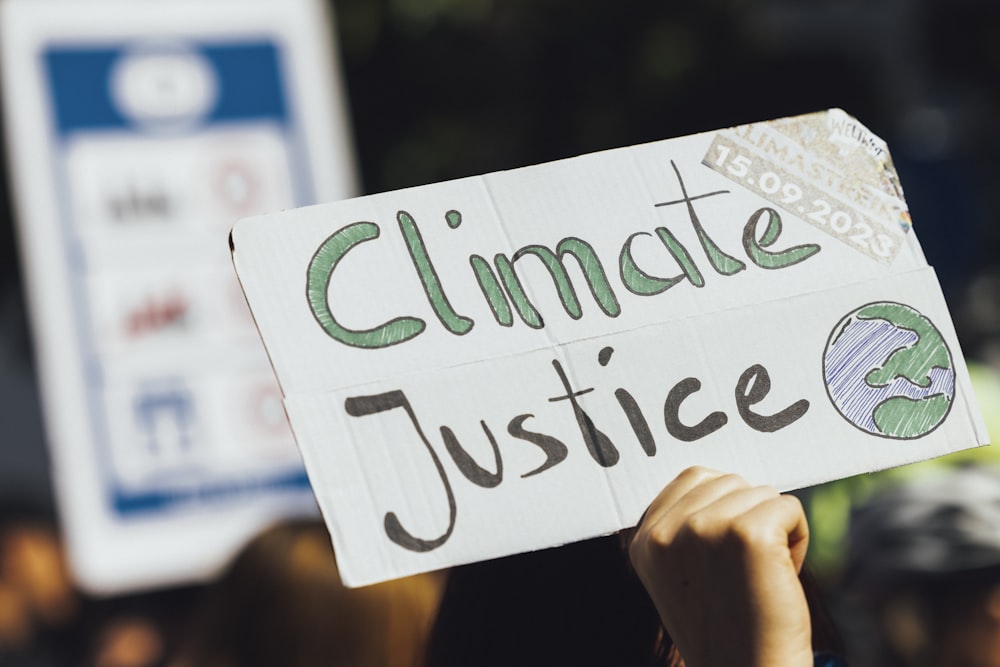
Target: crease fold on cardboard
<point x="555" y="345"/>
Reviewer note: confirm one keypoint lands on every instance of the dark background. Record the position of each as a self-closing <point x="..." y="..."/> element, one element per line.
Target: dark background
<point x="440" y="89"/>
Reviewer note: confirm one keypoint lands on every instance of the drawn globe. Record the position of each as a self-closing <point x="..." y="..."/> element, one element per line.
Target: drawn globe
<point x="889" y="372"/>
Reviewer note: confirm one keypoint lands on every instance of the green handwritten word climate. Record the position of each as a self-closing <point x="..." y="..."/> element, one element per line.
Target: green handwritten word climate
<point x="503" y="290"/>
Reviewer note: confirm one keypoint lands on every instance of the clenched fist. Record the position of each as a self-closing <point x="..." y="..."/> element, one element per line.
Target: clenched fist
<point x="720" y="560"/>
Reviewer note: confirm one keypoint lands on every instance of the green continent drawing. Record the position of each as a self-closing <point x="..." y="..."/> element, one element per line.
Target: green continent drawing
<point x="889" y="372"/>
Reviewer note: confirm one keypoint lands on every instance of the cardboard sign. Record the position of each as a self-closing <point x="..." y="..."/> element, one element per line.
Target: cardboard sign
<point x="139" y="132"/>
<point x="522" y="359"/>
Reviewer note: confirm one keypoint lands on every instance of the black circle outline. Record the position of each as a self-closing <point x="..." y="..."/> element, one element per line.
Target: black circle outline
<point x="951" y="360"/>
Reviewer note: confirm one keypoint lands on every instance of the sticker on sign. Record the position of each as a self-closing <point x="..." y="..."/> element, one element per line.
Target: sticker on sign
<point x="518" y="360"/>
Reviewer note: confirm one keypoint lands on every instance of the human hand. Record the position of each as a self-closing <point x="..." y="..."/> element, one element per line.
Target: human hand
<point x="720" y="560"/>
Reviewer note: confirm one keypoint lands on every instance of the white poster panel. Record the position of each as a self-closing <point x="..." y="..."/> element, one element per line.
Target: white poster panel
<point x="138" y="133"/>
<point x="510" y="362"/>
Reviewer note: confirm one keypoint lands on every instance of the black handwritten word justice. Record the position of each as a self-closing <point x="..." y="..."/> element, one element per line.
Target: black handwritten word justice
<point x="753" y="385"/>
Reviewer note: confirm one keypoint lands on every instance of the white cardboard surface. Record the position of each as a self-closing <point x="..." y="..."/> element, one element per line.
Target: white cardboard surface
<point x="752" y="280"/>
<point x="137" y="134"/>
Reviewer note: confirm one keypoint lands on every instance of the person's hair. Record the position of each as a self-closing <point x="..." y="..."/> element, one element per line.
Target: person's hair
<point x="282" y="603"/>
<point x="923" y="557"/>
<point x="579" y="604"/>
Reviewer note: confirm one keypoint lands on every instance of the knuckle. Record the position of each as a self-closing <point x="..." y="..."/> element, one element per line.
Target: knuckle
<point x="660" y="537"/>
<point x="731" y="481"/>
<point x="744" y="532"/>
<point x="700" y="525"/>
<point x="793" y="502"/>
<point x="698" y="473"/>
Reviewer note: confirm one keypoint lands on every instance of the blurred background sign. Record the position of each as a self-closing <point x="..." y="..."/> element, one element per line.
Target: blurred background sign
<point x="137" y="134"/>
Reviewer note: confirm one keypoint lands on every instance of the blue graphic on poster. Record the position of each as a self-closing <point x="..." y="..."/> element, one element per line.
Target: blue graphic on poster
<point x="130" y="119"/>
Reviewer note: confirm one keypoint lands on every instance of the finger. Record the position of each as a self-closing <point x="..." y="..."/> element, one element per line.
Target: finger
<point x="705" y="496"/>
<point x="785" y="513"/>
<point x="664" y="522"/>
<point x="680" y="486"/>
<point x="729" y="506"/>
<point x="688" y="479"/>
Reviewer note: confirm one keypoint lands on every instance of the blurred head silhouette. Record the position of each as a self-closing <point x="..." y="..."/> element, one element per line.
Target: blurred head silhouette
<point x="281" y="602"/>
<point x="924" y="557"/>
